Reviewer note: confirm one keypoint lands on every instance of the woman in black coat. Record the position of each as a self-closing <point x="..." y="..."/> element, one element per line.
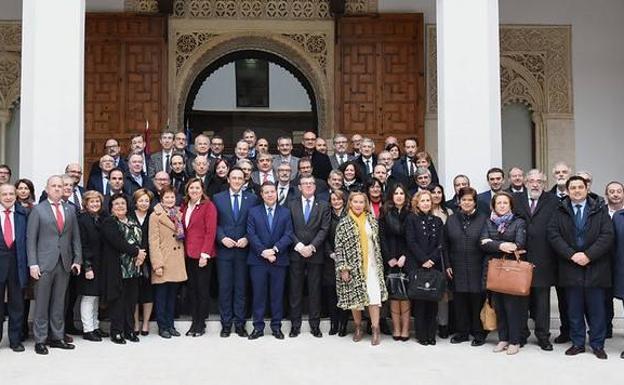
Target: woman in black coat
<point x="352" y="179"/>
<point x="90" y="279"/>
<point x="502" y="234"/>
<point x="466" y="265"/>
<point x="338" y="316"/>
<point x="424" y="236"/>
<point x="218" y="178"/>
<point x="394" y="253"/>
<point x="122" y="257"/>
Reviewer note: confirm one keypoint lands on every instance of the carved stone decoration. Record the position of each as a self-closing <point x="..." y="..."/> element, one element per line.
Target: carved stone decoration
<point x="309" y="47"/>
<point x="535" y="71"/>
<point x="544" y="51"/>
<point x="141" y="6"/>
<point x="10" y="63"/>
<point x="267" y="9"/>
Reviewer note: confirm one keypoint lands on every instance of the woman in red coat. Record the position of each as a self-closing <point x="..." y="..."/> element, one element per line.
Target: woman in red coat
<point x="199" y="218"/>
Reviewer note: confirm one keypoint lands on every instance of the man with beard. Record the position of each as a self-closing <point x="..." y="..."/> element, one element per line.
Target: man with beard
<point x="561" y="172"/>
<point x="537" y="207"/>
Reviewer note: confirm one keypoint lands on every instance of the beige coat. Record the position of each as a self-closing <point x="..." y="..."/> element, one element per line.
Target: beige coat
<point x="165" y="250"/>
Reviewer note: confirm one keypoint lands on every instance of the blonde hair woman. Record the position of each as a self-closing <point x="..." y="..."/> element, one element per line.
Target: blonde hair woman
<point x="359" y="266"/>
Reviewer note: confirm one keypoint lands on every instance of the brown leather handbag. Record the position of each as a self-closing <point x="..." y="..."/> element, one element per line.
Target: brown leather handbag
<point x="510" y="276"/>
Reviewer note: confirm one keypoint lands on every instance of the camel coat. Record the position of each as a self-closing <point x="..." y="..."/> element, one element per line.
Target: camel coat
<point x="165" y="250"/>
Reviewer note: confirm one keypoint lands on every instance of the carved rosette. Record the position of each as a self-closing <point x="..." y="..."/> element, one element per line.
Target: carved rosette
<point x="541" y="73"/>
<point x="313" y="44"/>
<point x="141" y="6"/>
<point x="267" y="9"/>
<point x="187" y="43"/>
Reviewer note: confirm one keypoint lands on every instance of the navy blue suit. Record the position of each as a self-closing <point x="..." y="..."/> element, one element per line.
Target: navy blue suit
<point x="232" y="263"/>
<point x="14" y="275"/>
<point x="265" y="275"/>
<point x="483" y="202"/>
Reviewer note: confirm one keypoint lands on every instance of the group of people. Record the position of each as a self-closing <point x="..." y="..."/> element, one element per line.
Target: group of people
<point x="272" y="225"/>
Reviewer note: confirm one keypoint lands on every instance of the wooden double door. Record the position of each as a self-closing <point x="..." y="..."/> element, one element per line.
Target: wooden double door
<point x="380" y="76"/>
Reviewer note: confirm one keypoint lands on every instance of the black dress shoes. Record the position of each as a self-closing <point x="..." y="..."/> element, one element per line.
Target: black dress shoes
<point x="241" y="332"/>
<point x="622" y="355"/>
<point x="294" y="332"/>
<point x="132" y="337"/>
<point x="41" y="349"/>
<point x="478" y="342"/>
<point x="118" y="339"/>
<point x="316" y="332"/>
<point x="74" y="331"/>
<point x="225" y="332"/>
<point x="18" y="347"/>
<point x="333" y="330"/>
<point x="255" y="334"/>
<point x="459" y="338"/>
<point x="600" y="354"/>
<point x="174" y="332"/>
<point x="278" y="334"/>
<point x="432" y="341"/>
<point x="61" y="344"/>
<point x="101" y="333"/>
<point x="562" y="339"/>
<point x="423" y="342"/>
<point x="68" y="339"/>
<point x="164" y="333"/>
<point x="443" y="331"/>
<point x="545" y="345"/>
<point x="574" y="350"/>
<point x="91" y="336"/>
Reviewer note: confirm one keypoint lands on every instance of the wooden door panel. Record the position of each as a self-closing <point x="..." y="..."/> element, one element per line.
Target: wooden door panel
<point x="379" y="76"/>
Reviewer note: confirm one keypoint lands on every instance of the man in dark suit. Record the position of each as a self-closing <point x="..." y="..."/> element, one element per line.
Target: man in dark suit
<point x="406" y="165"/>
<point x="516" y="181"/>
<point x="460" y="181"/>
<point x="73" y="170"/>
<point x="250" y="137"/>
<point x="320" y="162"/>
<point x="136" y="178"/>
<point x="341" y="145"/>
<point x="216" y="148"/>
<point x="201" y="147"/>
<point x="241" y="151"/>
<point x="13" y="264"/>
<point x="311" y="220"/>
<point x="98" y="179"/>
<point x="112" y="148"/>
<point x="137" y="146"/>
<point x="495" y="179"/>
<point x="285" y="186"/>
<point x="161" y="160"/>
<point x="285" y="147"/>
<point x="53" y="244"/>
<point x="270" y="231"/>
<point x="232" y="248"/>
<point x="537" y="207"/>
<point x="560" y="172"/>
<point x="305" y="170"/>
<point x="367" y="159"/>
<point x="581" y="234"/>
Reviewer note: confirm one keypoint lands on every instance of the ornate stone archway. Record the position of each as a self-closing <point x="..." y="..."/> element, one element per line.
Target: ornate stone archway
<point x="536" y="71"/>
<point x="196" y="41"/>
<point x="10" y="75"/>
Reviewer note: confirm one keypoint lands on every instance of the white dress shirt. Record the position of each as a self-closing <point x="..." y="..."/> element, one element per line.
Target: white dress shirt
<point x="11" y="216"/>
<point x="60" y="209"/>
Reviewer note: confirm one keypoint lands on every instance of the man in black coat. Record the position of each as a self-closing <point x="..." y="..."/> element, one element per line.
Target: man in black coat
<point x="136" y="178"/>
<point x="406" y="165"/>
<point x="460" y="181"/>
<point x="581" y="234"/>
<point x="367" y="159"/>
<point x="311" y="219"/>
<point x="320" y="162"/>
<point x="537" y="207"/>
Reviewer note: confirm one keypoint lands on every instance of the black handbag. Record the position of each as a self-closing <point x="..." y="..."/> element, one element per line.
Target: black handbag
<point x="426" y="285"/>
<point x="396" y="283"/>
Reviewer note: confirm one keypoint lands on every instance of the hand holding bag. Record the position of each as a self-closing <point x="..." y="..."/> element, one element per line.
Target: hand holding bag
<point x="510" y="276"/>
<point x="396" y="283"/>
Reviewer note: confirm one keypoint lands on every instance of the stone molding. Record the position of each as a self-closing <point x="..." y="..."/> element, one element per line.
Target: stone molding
<point x="10" y="63"/>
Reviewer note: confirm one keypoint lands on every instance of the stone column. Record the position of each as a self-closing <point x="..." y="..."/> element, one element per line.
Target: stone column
<point x="52" y="90"/>
<point x="469" y="112"/>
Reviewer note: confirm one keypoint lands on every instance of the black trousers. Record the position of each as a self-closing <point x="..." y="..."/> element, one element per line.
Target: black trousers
<point x="15" y="303"/>
<point x="562" y="304"/>
<point x="164" y="301"/>
<point x="198" y="291"/>
<point x="121" y="309"/>
<point x="538" y="305"/>
<point x="336" y="314"/>
<point x="509" y="310"/>
<point x="425" y="319"/>
<point x="300" y="272"/>
<point x="609" y="310"/>
<point x="467" y="309"/>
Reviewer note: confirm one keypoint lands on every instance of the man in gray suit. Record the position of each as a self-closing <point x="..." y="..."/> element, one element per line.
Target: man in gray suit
<point x="311" y="219"/>
<point x="340" y="156"/>
<point x="53" y="244"/>
<point x="161" y="161"/>
<point x="285" y="147"/>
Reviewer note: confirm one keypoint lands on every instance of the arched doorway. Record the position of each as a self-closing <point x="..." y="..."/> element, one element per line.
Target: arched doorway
<point x="227" y="119"/>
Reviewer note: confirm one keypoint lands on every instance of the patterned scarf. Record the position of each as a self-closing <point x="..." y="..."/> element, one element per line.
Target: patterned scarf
<point x="360" y="221"/>
<point x="501" y="222"/>
<point x="173" y="214"/>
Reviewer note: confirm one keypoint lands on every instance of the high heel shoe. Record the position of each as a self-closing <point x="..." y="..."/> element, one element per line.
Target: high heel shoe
<point x="357" y="335"/>
<point x="376" y="337"/>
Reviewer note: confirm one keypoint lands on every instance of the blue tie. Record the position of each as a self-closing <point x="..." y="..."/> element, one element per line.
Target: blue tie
<point x="270" y="218"/>
<point x="235" y="207"/>
<point x="578" y="217"/>
<point x="306" y="211"/>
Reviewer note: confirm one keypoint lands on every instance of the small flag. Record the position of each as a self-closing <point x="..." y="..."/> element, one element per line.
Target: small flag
<point x="189" y="138"/>
<point x="146" y="137"/>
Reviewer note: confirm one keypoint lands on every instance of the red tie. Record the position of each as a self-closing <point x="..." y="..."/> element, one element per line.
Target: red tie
<point x="266" y="177"/>
<point x="8" y="229"/>
<point x="59" y="217"/>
